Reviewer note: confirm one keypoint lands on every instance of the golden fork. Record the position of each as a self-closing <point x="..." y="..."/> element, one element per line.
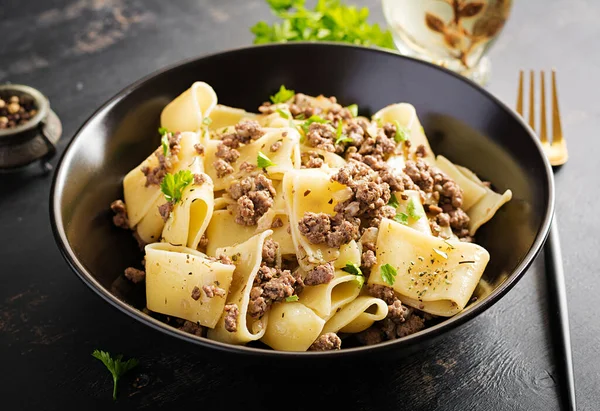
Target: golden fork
<point x="556" y="151"/>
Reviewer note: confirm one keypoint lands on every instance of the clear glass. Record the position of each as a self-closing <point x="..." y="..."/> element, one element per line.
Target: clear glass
<point x="455" y="34"/>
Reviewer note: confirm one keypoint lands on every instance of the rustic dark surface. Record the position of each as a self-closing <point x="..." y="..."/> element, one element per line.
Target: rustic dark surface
<point x="81" y="52"/>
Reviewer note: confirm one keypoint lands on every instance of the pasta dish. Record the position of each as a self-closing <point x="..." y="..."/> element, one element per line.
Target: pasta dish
<point x="302" y="225"/>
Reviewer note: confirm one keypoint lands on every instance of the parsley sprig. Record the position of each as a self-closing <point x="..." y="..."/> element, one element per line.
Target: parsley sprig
<point x="116" y="366"/>
<point x="291" y="298"/>
<point x="330" y="20"/>
<point x="282" y="95"/>
<point x="353" y="268"/>
<point x="388" y="274"/>
<point x="402" y="132"/>
<point x="172" y="186"/>
<point x="412" y="210"/>
<point x="340" y="136"/>
<point x="164" y="141"/>
<point x="262" y="161"/>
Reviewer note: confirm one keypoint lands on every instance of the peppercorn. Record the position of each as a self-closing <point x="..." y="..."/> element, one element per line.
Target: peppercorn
<point x="16" y="110"/>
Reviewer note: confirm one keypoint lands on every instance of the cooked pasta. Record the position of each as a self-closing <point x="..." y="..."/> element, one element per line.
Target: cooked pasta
<point x="302" y="224"/>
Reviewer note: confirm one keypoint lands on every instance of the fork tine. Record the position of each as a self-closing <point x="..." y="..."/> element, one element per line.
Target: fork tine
<point x="520" y="94"/>
<point x="531" y="100"/>
<point x="543" y="135"/>
<point x="556" y="125"/>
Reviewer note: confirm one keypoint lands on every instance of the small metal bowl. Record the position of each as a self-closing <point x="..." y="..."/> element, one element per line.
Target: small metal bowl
<point x="34" y="140"/>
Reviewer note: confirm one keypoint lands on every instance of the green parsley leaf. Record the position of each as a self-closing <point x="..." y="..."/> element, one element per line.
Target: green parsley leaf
<point x="360" y="279"/>
<point x="262" y="161"/>
<point x="402" y="218"/>
<point x="341" y="138"/>
<point x="393" y="201"/>
<point x="300" y="116"/>
<point x="291" y="298"/>
<point x="352" y="268"/>
<point x="330" y="20"/>
<point x="164" y="142"/>
<point x="312" y="119"/>
<point x="402" y="132"/>
<point x="117" y="366"/>
<point x="388" y="274"/>
<point x="172" y="186"/>
<point x="282" y="95"/>
<point x="207" y="121"/>
<point x="283" y="113"/>
<point x="412" y="210"/>
<point x="353" y="108"/>
<point x="163" y="131"/>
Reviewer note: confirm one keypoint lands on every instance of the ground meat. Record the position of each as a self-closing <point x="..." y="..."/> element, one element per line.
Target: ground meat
<point x="254" y="195"/>
<point x="301" y="105"/>
<point x="397" y="180"/>
<point x="443" y="219"/>
<point x="199" y="149"/>
<point x="397" y="312"/>
<point x="420" y="173"/>
<point x="355" y="130"/>
<point x="211" y="291"/>
<point x="227" y="153"/>
<point x="269" y="251"/>
<point x="223" y="259"/>
<point x="326" y="342"/>
<point x="433" y="209"/>
<point x="247" y="167"/>
<point x="321" y="136"/>
<point x="203" y="242"/>
<point x="389" y="129"/>
<point x="200" y="179"/>
<point x="275" y="146"/>
<point x="380" y="145"/>
<point x="368" y="259"/>
<point x="315" y="227"/>
<point x="196" y="293"/>
<point x="165" y="163"/>
<point x="222" y="168"/>
<point x="165" y="210"/>
<point x="413" y="324"/>
<point x="343" y="232"/>
<point x="265" y="273"/>
<point x="459" y="220"/>
<point x="279" y="287"/>
<point x="134" y="275"/>
<point x="321" y="274"/>
<point x="277" y="222"/>
<point x="312" y="159"/>
<point x="370" y="336"/>
<point x="337" y="113"/>
<point x="192" y="328"/>
<point x="249" y="184"/>
<point x="231" y="317"/>
<point x="421" y="151"/>
<point x="383" y="292"/>
<point x="248" y="130"/>
<point x="120" y="218"/>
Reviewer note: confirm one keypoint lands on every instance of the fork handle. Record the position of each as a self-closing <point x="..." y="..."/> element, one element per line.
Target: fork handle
<point x="557" y="294"/>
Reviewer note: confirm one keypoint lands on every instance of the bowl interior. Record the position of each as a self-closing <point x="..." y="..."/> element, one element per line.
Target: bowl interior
<point x="462" y="121"/>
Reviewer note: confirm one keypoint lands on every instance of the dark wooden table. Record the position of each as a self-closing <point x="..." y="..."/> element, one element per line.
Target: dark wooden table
<point x="81" y="52"/>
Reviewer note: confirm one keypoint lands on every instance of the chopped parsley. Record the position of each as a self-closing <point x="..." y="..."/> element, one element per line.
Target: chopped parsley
<point x="341" y="138"/>
<point x="163" y="130"/>
<point x="283" y="113"/>
<point x="330" y="20"/>
<point x="312" y="119"/>
<point x="282" y="95"/>
<point x="388" y="274"/>
<point x="291" y="298"/>
<point x="353" y="108"/>
<point x="172" y="186"/>
<point x="117" y="366"/>
<point x="360" y="279"/>
<point x="207" y="121"/>
<point x="402" y="132"/>
<point x="352" y="268"/>
<point x="402" y="218"/>
<point x="412" y="210"/>
<point x="262" y="161"/>
<point x="164" y="142"/>
<point x="393" y="201"/>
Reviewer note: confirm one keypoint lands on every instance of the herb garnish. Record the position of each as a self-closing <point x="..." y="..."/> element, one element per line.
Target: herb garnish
<point x="282" y="95"/>
<point x="172" y="186"/>
<point x="353" y="108"/>
<point x="412" y="210"/>
<point x="163" y="130"/>
<point x="393" y="201"/>
<point x="164" y="142"/>
<point x="283" y="113"/>
<point x="388" y="274"/>
<point x="330" y="20"/>
<point x="312" y="119"/>
<point x="291" y="298"/>
<point x="117" y="366"/>
<point x="352" y="268"/>
<point x="262" y="161"/>
<point x="341" y="138"/>
<point x="207" y="121"/>
<point x="401" y="132"/>
<point x="402" y="218"/>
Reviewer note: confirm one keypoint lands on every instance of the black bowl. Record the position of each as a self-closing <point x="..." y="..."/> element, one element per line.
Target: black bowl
<point x="463" y="121"/>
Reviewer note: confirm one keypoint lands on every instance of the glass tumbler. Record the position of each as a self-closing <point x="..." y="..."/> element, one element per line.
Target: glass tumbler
<point x="454" y="34"/>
